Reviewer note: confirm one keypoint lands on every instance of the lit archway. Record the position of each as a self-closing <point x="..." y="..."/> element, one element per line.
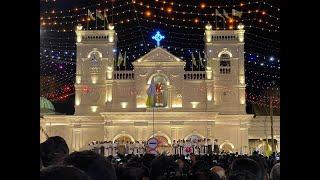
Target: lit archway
<point x="123" y="138"/>
<point x="158" y="74"/>
<point x="262" y="147"/>
<point x="160" y="135"/>
<point x="157" y="90"/>
<point x="225" y="51"/>
<point x="227" y="147"/>
<point x="194" y="137"/>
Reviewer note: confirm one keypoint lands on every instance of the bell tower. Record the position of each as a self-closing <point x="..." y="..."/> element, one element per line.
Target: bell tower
<point x="225" y="70"/>
<point x="94" y="70"/>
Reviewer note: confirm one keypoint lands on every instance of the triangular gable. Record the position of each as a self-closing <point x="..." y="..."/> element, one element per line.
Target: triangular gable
<point x="158" y="55"/>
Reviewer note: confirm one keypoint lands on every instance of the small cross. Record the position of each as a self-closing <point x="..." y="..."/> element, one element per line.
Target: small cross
<point x="158" y="37"/>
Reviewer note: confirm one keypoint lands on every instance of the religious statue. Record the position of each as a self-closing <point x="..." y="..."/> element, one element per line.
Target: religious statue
<point x="159" y="94"/>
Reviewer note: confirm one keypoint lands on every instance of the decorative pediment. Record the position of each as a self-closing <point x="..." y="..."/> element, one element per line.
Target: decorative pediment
<point x="158" y="55"/>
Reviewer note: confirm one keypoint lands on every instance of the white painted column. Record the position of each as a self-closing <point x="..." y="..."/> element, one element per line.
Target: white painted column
<point x="244" y="144"/>
<point x="169" y="103"/>
<point x="76" y="139"/>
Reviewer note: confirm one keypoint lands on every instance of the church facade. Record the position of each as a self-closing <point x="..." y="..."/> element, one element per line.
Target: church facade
<point x="112" y="104"/>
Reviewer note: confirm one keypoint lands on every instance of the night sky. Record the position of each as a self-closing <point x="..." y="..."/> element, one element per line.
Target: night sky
<point x="182" y="22"/>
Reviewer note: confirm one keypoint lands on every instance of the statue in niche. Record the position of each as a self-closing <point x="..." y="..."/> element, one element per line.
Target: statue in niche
<point x="159" y="94"/>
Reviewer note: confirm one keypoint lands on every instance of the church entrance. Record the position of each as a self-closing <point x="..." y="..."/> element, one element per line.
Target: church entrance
<point x="123" y="139"/>
<point x="226" y="147"/>
<point x="163" y="144"/>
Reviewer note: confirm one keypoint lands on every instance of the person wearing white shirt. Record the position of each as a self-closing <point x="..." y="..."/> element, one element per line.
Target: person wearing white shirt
<point x="114" y="148"/>
<point x="194" y="146"/>
<point x="205" y="146"/>
<point x="136" y="148"/>
<point x="181" y="145"/>
<point x="175" y="147"/>
<point x="130" y="148"/>
<point x="141" y="147"/>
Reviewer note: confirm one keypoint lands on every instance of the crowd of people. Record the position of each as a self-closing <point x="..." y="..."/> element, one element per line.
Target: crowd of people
<point x="179" y="147"/>
<point x="57" y="163"/>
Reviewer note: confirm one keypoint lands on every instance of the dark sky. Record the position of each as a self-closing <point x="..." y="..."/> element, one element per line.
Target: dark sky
<point x="135" y="39"/>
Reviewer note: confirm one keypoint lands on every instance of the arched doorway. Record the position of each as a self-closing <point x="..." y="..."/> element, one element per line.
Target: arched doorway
<point x="194" y="137"/>
<point x="227" y="147"/>
<point x="164" y="142"/>
<point x="122" y="138"/>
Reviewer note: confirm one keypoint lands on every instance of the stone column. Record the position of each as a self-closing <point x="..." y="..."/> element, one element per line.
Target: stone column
<point x="76" y="139"/>
<point x="244" y="141"/>
<point x="169" y="103"/>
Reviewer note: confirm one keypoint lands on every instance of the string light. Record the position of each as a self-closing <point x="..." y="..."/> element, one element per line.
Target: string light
<point x="185" y="33"/>
<point x="202" y="5"/>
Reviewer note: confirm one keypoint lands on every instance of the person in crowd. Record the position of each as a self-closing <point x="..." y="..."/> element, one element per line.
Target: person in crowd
<point x="245" y="168"/>
<point x="193" y="158"/>
<point x="216" y="146"/>
<point x="138" y="164"/>
<point x="194" y="144"/>
<point x="219" y="171"/>
<point x="175" y="147"/>
<point x="115" y="146"/>
<point x="202" y="147"/>
<point x="188" y="147"/>
<point x="53" y="151"/>
<point x="200" y="171"/>
<point x="275" y="172"/>
<point x="95" y="165"/>
<point x="205" y="146"/>
<point x="181" y="145"/>
<point x="102" y="148"/>
<point x="210" y="146"/>
<point x="263" y="165"/>
<point x="62" y="173"/>
<point x="199" y="146"/>
<point x="141" y="147"/>
<point x="159" y="167"/>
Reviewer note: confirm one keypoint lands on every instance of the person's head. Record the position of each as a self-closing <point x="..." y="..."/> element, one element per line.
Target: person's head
<point x="63" y="173"/>
<point x="95" y="165"/>
<point x="215" y="176"/>
<point x="219" y="171"/>
<point x="159" y="167"/>
<point x="263" y="165"/>
<point x="53" y="151"/>
<point x="245" y="169"/>
<point x="275" y="172"/>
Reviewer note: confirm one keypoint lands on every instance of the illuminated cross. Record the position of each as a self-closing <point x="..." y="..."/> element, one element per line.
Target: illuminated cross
<point x="158" y="37"/>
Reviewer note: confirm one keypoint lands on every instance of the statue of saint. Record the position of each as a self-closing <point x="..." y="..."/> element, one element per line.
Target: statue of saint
<point x="159" y="94"/>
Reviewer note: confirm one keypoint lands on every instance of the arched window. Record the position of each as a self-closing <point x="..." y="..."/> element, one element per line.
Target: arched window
<point x="95" y="63"/>
<point x="225" y="64"/>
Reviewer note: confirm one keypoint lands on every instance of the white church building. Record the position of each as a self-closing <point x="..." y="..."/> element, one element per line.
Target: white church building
<point x="111" y="104"/>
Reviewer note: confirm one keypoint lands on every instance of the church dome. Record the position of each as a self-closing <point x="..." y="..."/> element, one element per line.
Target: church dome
<point x="46" y="107"/>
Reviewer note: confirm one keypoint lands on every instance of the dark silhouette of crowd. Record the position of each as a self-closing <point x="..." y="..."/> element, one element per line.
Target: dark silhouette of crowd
<point x="57" y="164"/>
